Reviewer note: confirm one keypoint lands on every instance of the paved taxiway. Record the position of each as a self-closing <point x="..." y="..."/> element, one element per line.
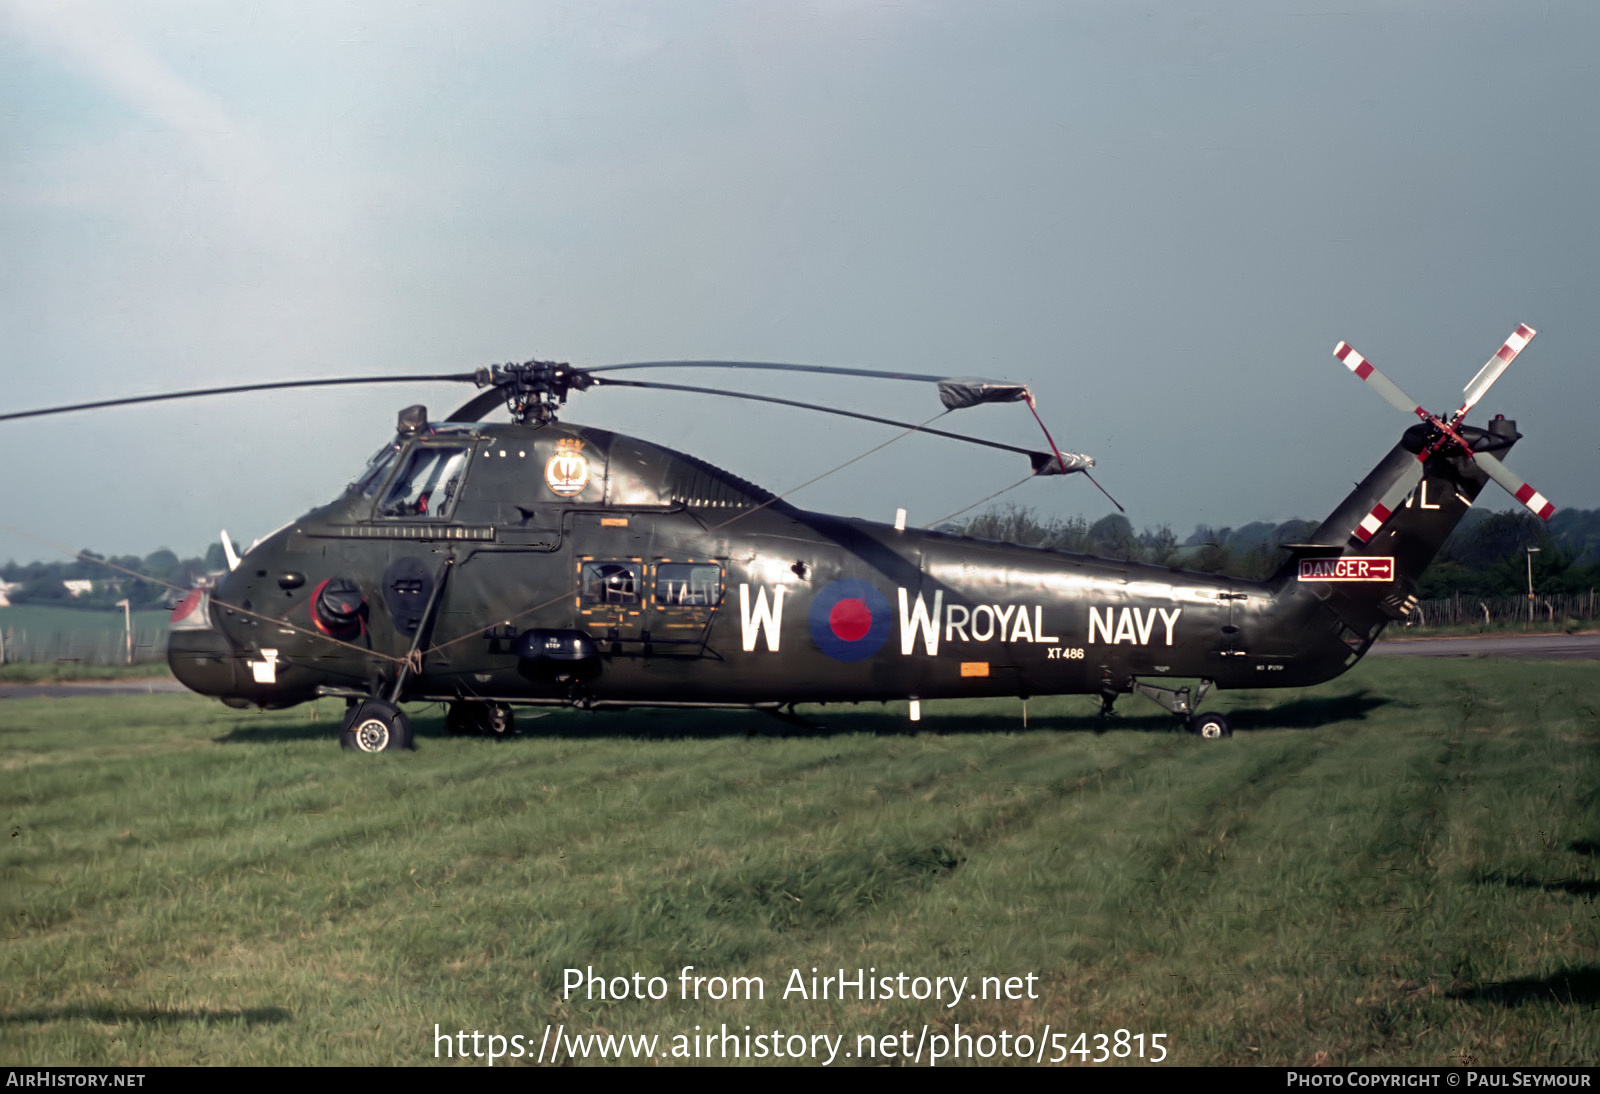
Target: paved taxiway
<point x="1529" y="647"/>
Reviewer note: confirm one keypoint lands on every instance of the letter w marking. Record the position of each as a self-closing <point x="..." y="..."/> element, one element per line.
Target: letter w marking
<point x="764" y="620"/>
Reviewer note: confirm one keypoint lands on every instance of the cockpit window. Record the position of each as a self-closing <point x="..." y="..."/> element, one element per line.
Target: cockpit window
<point x="428" y="483"/>
<point x="377" y="469"/>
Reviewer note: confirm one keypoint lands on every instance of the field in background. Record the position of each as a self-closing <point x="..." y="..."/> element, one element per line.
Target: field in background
<point x="1398" y="867"/>
<point x="45" y="634"/>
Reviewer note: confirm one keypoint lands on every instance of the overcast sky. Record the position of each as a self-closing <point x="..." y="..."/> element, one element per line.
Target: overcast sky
<point x="1161" y="217"/>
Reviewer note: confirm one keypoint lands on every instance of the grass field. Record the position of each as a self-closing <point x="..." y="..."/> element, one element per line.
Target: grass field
<point x="87" y="621"/>
<point x="1399" y="867"/>
<point x="69" y="637"/>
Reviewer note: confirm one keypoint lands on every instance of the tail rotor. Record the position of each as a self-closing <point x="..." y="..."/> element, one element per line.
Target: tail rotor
<point x="1446" y="434"/>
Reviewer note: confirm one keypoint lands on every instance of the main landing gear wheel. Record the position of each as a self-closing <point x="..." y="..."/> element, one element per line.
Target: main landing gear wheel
<point x="375" y="726"/>
<point x="1210" y="726"/>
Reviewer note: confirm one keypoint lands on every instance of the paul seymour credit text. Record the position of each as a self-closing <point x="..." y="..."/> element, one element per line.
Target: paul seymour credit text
<point x="1473" y="1078"/>
<point x="560" y="1041"/>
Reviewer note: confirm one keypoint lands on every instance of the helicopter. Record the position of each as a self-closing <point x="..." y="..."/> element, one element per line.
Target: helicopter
<point x="538" y="562"/>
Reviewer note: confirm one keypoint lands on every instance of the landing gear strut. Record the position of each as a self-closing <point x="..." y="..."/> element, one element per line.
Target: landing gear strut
<point x="1108" y="693"/>
<point x="1179" y="701"/>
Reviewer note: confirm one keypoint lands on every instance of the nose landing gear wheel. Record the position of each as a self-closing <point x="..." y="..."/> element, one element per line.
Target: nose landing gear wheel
<point x="375" y="726"/>
<point x="1210" y="726"/>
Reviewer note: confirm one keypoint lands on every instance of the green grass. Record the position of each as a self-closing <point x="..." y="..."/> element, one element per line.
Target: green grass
<point x="1399" y="867"/>
<point x="89" y="621"/>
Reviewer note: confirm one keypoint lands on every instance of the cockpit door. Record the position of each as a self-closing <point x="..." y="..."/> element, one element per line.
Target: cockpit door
<point x="505" y="488"/>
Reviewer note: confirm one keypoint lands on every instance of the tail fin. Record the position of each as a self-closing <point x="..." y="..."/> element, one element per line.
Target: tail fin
<point x="1365" y="561"/>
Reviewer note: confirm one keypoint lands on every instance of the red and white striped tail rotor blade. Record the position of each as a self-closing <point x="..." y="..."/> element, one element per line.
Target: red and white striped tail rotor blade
<point x="1391" y="500"/>
<point x="1384" y="386"/>
<point x="1490" y="372"/>
<point x="1536" y="502"/>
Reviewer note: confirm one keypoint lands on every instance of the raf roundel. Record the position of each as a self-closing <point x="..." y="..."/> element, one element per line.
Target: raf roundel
<point x="850" y="620"/>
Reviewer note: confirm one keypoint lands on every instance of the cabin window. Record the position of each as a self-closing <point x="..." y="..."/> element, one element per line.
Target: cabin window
<point x="428" y="483"/>
<point x="611" y="583"/>
<point x="688" y="584"/>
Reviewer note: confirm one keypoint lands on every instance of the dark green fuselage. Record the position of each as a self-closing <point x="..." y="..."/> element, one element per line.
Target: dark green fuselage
<point x="559" y="564"/>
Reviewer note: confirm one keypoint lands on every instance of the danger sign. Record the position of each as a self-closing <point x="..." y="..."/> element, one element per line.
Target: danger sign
<point x="1348" y="568"/>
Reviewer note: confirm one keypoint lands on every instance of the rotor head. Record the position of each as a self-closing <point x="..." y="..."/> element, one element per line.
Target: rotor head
<point x="534" y="390"/>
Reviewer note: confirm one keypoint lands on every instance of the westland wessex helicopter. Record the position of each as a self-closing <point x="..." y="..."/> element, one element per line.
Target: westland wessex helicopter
<point x="538" y="562"/>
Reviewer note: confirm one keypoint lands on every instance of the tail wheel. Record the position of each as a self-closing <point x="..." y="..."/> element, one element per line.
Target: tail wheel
<point x="1210" y="726"/>
<point x="501" y="722"/>
<point x="478" y="719"/>
<point x="375" y="726"/>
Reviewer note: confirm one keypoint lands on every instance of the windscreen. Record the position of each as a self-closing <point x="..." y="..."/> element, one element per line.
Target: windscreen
<point x="428" y="483"/>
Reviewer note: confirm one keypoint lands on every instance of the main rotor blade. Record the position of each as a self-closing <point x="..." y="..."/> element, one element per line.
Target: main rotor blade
<point x="1536" y="502"/>
<point x="1032" y="455"/>
<point x="234" y="390"/>
<point x="1381" y="383"/>
<point x="477" y="406"/>
<point x="1490" y="372"/>
<point x="829" y="370"/>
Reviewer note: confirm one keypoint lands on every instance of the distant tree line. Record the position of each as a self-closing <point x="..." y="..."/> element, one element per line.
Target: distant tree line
<point x="1486" y="556"/>
<point x="144" y="582"/>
